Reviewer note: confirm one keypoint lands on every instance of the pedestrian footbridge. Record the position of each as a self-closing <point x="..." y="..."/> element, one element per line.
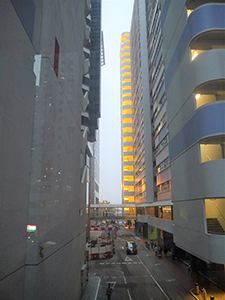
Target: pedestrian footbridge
<point x="112" y="211"/>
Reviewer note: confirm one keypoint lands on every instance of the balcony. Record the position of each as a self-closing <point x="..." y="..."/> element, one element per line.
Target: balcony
<point x="193" y="4"/>
<point x="87" y="31"/>
<point x="87" y="7"/>
<point x="210" y="91"/>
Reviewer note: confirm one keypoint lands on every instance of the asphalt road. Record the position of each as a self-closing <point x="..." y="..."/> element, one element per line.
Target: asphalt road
<point x="135" y="277"/>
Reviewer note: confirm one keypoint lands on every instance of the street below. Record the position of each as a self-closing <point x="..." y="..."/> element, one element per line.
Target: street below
<point x="138" y="276"/>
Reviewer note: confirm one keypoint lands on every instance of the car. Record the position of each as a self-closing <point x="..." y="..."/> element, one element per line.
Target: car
<point x="131" y="247"/>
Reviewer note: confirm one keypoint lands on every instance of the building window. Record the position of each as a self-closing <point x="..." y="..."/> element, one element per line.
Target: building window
<point x="126" y="74"/>
<point x="129" y="199"/>
<point x="215" y="215"/>
<point x="195" y="53"/>
<point x="125" y="54"/>
<point x="210" y="92"/>
<point x="127" y="102"/>
<point x="127" y="130"/>
<point x="128" y="149"/>
<point x="127" y="87"/>
<point x="128" y="158"/>
<point x="128" y="168"/>
<point x="128" y="178"/>
<point x="212" y="148"/>
<point x="56" y="57"/>
<point x="127" y="139"/>
<point x="127" y="111"/>
<point x="125" y="60"/>
<point x="129" y="188"/>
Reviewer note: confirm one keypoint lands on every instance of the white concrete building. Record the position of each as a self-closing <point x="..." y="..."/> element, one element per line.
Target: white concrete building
<point x="184" y="51"/>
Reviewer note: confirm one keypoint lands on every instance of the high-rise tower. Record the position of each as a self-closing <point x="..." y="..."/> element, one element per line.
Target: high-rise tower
<point x="142" y="127"/>
<point x="126" y="121"/>
<point x="178" y="92"/>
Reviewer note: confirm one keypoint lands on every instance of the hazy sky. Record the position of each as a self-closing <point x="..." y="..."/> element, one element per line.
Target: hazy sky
<point x="116" y="19"/>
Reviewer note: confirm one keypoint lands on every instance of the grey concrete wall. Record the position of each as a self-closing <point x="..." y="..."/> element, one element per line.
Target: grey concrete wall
<point x="42" y="151"/>
<point x="146" y="105"/>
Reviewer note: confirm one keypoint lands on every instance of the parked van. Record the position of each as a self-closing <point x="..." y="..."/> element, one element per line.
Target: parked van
<point x="131" y="247"/>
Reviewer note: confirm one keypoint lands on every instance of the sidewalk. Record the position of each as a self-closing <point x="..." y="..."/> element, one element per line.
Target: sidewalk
<point x="211" y="292"/>
<point x="180" y="272"/>
<point x="91" y="289"/>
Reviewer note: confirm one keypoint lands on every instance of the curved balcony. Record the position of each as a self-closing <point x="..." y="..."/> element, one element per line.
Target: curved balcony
<point x="206" y="22"/>
<point x="193" y="4"/>
<point x="85" y="101"/>
<point x="213" y="182"/>
<point x="126" y="125"/>
<point x="87" y="7"/>
<point x="85" y="88"/>
<point x="126" y="90"/>
<point x="126" y="84"/>
<point x="208" y="121"/>
<point x="86" y="80"/>
<point x="86" y="66"/>
<point x="87" y="31"/>
<point x="126" y="105"/>
<point x="127" y="113"/>
<point x="215" y="215"/>
<point x="85" y="118"/>
<point x="211" y="91"/>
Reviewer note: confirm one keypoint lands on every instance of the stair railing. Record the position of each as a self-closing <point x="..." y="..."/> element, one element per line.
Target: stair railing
<point x="221" y="218"/>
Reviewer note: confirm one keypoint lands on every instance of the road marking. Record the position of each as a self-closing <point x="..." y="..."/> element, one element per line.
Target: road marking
<point x="128" y="259"/>
<point x="125" y="279"/>
<point x="129" y="294"/>
<point x="170" y="280"/>
<point x="119" y="271"/>
<point x="123" y="263"/>
<point x="96" y="294"/>
<point x="112" y="283"/>
<point x="156" y="282"/>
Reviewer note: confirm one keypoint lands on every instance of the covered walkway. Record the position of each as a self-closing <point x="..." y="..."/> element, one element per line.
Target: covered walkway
<point x="126" y="211"/>
<point x="112" y="211"/>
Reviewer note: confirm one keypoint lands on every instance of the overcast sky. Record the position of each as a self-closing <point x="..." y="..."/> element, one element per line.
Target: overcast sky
<point x="116" y="19"/>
